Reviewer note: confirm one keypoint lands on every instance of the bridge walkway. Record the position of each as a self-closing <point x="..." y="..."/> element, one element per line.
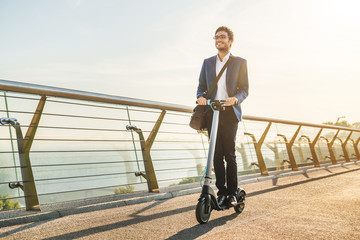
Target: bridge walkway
<point x="323" y="204"/>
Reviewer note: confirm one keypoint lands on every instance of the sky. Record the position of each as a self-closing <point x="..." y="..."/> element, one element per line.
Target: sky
<point x="303" y="55"/>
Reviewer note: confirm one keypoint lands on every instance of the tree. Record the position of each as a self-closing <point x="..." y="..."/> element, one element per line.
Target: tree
<point x="355" y="125"/>
<point x="343" y="123"/>
<point x="8" y="203"/>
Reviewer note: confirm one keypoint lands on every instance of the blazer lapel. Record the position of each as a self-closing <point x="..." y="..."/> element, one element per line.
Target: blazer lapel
<point x="212" y="77"/>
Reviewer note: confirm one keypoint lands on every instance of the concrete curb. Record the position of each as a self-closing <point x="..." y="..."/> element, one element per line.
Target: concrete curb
<point x="28" y="217"/>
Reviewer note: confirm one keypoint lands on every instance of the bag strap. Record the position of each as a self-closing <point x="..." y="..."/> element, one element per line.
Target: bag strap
<point x="218" y="77"/>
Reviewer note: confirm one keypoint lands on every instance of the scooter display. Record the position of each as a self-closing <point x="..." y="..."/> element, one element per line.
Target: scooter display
<point x="208" y="201"/>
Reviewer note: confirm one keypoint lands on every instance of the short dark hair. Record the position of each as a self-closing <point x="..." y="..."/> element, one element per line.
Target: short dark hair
<point x="226" y="29"/>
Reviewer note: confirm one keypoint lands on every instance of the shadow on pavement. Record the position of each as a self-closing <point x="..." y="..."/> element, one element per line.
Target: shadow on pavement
<point x="136" y="219"/>
<point x="298" y="183"/>
<point x="19" y="229"/>
<point x="201" y="229"/>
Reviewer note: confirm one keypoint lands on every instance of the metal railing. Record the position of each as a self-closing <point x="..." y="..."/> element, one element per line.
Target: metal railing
<point x="80" y="144"/>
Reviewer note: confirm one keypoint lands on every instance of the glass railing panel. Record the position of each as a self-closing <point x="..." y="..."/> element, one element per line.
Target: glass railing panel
<point x="322" y="151"/>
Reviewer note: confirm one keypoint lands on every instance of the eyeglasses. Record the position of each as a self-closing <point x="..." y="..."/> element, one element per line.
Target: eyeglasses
<point x="220" y="37"/>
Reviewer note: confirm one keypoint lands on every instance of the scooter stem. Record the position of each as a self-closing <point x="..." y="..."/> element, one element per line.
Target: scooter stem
<point x="213" y="135"/>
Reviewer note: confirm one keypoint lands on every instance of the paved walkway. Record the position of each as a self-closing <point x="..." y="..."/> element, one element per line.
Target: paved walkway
<point x="321" y="205"/>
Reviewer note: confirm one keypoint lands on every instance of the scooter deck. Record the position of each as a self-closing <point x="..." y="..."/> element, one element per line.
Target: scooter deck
<point x="226" y="206"/>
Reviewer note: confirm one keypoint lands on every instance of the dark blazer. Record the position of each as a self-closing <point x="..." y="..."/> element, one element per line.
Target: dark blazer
<point x="237" y="84"/>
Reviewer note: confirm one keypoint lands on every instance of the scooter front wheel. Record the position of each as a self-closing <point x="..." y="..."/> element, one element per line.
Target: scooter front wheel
<point x="202" y="214"/>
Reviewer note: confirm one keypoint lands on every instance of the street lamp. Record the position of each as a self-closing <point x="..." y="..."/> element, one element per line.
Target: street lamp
<point x="339" y="119"/>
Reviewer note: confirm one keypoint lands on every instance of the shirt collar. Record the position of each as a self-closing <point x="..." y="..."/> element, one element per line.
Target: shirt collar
<point x="224" y="59"/>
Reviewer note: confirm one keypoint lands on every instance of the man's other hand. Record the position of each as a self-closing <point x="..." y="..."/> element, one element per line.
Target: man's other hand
<point x="231" y="101"/>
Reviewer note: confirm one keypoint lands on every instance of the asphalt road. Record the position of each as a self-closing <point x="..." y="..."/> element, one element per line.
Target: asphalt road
<point x="321" y="205"/>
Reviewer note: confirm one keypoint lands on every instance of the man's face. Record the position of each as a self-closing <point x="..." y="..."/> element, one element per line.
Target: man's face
<point x="222" y="41"/>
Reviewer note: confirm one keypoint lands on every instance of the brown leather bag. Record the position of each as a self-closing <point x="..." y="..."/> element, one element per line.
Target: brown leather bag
<point x="198" y="120"/>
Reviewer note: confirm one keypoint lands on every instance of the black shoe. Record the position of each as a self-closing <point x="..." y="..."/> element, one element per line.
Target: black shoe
<point x="221" y="199"/>
<point x="232" y="201"/>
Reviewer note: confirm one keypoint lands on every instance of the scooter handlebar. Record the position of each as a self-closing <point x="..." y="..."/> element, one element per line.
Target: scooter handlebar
<point x="216" y="104"/>
<point x="210" y="102"/>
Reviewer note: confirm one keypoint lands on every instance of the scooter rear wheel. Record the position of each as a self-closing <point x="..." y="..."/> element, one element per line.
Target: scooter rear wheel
<point x="201" y="215"/>
<point x="241" y="203"/>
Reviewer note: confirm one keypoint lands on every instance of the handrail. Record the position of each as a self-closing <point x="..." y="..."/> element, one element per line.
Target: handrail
<point x="29" y="88"/>
<point x="305" y="124"/>
<point x="87" y="96"/>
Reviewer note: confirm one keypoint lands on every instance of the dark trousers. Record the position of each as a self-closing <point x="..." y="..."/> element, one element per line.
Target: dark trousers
<point x="226" y="177"/>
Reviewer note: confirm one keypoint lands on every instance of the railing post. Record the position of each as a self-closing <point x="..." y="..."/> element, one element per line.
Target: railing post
<point x="149" y="174"/>
<point x="320" y="154"/>
<point x="29" y="187"/>
<point x="312" y="148"/>
<point x="343" y="145"/>
<point x="334" y="161"/>
<point x="331" y="151"/>
<point x="261" y="163"/>
<point x="30" y="133"/>
<point x="341" y="142"/>
<point x="356" y="148"/>
<point x="289" y="148"/>
<point x="24" y="146"/>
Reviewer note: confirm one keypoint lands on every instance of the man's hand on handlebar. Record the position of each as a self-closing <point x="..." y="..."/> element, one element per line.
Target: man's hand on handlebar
<point x="201" y="101"/>
<point x="231" y="101"/>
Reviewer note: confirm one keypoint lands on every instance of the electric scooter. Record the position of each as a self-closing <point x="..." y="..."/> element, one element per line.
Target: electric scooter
<point x="208" y="201"/>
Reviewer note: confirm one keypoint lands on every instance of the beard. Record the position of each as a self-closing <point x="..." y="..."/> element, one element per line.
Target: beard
<point x="223" y="47"/>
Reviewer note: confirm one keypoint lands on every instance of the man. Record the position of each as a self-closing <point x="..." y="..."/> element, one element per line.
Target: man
<point x="233" y="87"/>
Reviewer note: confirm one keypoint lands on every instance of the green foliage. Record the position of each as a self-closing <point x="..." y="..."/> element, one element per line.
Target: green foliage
<point x="127" y="189"/>
<point x="189" y="180"/>
<point x="8" y="203"/>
